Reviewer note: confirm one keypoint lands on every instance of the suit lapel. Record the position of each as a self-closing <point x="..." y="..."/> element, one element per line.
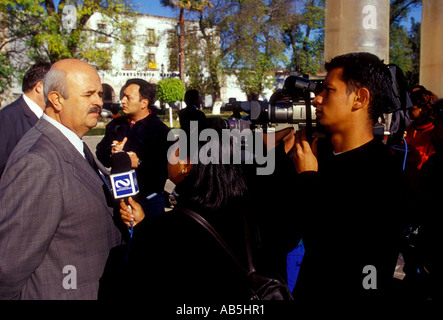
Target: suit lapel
<point x="81" y="168"/>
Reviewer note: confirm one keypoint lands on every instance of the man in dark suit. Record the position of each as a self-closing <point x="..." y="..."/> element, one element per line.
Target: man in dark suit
<point x="22" y="114"/>
<point x="191" y="112"/>
<point x="56" y="225"/>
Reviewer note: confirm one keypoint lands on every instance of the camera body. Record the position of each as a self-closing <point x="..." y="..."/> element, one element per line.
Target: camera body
<point x="288" y="107"/>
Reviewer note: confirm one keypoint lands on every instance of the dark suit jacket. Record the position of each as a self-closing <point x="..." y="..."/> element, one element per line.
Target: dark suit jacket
<point x="15" y="120"/>
<point x="54" y="217"/>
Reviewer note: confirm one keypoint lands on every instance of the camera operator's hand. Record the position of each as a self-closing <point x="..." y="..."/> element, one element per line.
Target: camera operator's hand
<point x="305" y="156"/>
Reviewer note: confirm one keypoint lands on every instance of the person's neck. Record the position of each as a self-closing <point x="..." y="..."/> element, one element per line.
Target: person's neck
<point x="38" y="99"/>
<point x="347" y="141"/>
<point x="139" y="116"/>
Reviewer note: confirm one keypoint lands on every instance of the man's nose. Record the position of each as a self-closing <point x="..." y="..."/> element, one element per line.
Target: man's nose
<point x="318" y="99"/>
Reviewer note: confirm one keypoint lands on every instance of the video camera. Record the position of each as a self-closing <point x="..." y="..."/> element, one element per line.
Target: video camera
<point x="287" y="107"/>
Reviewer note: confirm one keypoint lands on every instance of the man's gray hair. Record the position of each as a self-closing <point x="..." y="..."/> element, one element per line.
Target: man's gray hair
<point x="55" y="80"/>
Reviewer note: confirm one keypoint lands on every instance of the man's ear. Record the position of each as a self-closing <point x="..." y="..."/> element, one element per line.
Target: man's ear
<point x="362" y="98"/>
<point x="56" y="100"/>
<point x="39" y="87"/>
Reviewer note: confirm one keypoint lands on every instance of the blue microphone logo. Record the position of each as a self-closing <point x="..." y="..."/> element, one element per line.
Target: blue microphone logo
<point x="124" y="184"/>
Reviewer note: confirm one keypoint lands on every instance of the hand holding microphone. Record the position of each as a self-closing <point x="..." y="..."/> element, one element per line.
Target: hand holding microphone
<point x="131" y="213"/>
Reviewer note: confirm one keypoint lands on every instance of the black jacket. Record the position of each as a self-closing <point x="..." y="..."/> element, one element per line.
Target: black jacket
<point x="15" y="120"/>
<point x="148" y="139"/>
<point x="173" y="259"/>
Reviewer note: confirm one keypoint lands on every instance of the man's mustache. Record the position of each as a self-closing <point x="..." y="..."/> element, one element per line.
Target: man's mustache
<point x="94" y="110"/>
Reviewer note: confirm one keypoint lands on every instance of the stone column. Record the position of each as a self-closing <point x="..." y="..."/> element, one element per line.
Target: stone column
<point x="431" y="46"/>
<point x="353" y="26"/>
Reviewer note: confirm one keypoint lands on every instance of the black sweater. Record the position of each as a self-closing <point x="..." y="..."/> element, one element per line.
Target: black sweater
<point x="352" y="219"/>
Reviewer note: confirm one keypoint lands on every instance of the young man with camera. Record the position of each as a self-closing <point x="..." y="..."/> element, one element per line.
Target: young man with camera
<point x="348" y="224"/>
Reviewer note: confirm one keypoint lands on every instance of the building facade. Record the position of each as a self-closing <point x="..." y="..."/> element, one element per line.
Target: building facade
<point x="152" y="55"/>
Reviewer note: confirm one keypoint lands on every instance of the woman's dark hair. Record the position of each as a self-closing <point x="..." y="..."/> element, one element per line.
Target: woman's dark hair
<point x="366" y="70"/>
<point x="215" y="185"/>
<point x="425" y="100"/>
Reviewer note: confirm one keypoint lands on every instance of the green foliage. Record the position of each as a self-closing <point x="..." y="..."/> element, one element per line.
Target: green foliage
<point x="6" y="72"/>
<point x="248" y="41"/>
<point x="170" y="90"/>
<point x="39" y="24"/>
<point x="404" y="48"/>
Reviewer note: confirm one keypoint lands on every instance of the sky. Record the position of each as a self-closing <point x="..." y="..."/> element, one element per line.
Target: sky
<point x="154" y="7"/>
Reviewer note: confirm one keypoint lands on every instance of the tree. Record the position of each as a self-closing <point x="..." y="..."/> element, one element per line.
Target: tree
<point x="182" y="5"/>
<point x="6" y="68"/>
<point x="304" y="35"/>
<point x="247" y="40"/>
<point x="36" y="29"/>
<point x="6" y="72"/>
<point x="170" y="90"/>
<point x="405" y="44"/>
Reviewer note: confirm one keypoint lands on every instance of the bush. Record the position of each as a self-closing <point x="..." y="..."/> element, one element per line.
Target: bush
<point x="170" y="90"/>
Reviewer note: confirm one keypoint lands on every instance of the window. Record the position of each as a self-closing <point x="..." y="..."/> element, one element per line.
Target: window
<point x="128" y="60"/>
<point x="173" y="50"/>
<point x="102" y="33"/>
<point x="151" y="61"/>
<point x="150" y="37"/>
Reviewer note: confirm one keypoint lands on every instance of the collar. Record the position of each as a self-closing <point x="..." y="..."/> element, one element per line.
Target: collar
<point x="68" y="133"/>
<point x="35" y="108"/>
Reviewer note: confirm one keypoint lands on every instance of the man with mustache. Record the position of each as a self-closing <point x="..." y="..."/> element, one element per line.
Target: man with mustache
<point x="56" y="226"/>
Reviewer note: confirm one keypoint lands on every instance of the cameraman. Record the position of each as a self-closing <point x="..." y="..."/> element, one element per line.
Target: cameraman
<point x="349" y="230"/>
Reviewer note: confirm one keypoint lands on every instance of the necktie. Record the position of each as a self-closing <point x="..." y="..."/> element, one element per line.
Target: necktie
<point x="106" y="185"/>
<point x="90" y="157"/>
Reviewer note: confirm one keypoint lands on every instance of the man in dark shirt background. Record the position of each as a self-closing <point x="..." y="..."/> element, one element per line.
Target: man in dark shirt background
<point x="191" y="112"/>
<point x="143" y="136"/>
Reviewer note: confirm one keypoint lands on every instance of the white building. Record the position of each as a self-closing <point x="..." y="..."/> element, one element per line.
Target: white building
<point x="149" y="57"/>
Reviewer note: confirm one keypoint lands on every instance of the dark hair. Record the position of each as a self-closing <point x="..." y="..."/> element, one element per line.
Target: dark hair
<point x="366" y="70"/>
<point x="425" y="100"/>
<point x="191" y="97"/>
<point x="146" y="90"/>
<point x="212" y="185"/>
<point x="34" y="75"/>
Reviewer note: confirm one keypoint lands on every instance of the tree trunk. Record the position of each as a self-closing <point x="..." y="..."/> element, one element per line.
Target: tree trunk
<point x="181" y="46"/>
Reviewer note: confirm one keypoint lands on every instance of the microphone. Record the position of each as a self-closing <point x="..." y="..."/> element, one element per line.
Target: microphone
<point x="123" y="178"/>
